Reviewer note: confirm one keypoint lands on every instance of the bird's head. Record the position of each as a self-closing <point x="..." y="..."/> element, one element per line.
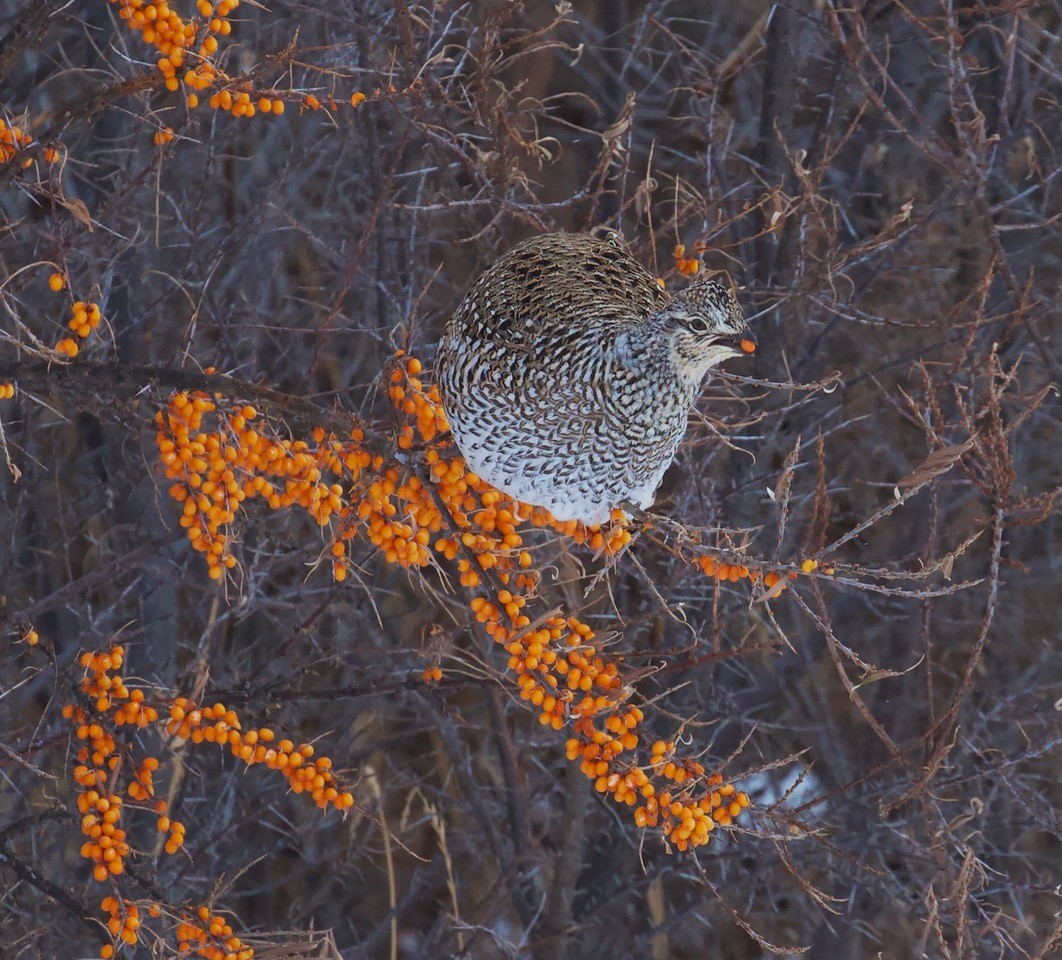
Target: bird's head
<point x="705" y="326"/>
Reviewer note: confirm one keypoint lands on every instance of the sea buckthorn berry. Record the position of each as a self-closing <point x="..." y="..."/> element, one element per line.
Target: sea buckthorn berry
<point x="56" y="282"/>
<point x="450" y="515"/>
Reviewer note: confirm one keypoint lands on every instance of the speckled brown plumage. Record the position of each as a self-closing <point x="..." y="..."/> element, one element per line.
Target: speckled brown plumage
<point x="567" y="373"/>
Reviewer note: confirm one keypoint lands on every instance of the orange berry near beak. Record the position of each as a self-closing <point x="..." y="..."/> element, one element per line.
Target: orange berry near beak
<point x="748" y="346"/>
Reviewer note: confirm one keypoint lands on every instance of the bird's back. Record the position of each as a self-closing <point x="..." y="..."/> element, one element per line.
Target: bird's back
<point x="557" y="286"/>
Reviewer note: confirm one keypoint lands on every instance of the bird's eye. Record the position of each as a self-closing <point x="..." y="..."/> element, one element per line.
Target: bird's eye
<point x="697" y="324"/>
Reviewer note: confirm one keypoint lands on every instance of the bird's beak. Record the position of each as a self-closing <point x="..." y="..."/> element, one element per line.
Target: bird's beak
<point x="744" y="342"/>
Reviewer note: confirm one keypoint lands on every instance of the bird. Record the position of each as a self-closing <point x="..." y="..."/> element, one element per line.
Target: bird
<point x="567" y="373"/>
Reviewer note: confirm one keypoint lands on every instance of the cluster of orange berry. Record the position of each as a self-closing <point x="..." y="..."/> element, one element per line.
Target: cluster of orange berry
<point x="687" y="266"/>
<point x="84" y="318"/>
<point x="173" y="36"/>
<point x="7" y="391"/>
<point x="217" y="724"/>
<point x="210" y="937"/>
<point x="142" y="786"/>
<point x="176" y="40"/>
<point x="774" y="580"/>
<point x="160" y="26"/>
<point x="101" y="804"/>
<point x="561" y="671"/>
<point x="106" y="845"/>
<point x="14" y="138"/>
<point x="98" y="759"/>
<point x="688" y="821"/>
<point x="733" y="572"/>
<point x="123" y="922"/>
<point x="184" y="452"/>
<point x="216" y="471"/>
<point x="312" y="102"/>
<point x="205" y="75"/>
<point x="215" y="21"/>
<point x="242" y="104"/>
<point x="203" y="934"/>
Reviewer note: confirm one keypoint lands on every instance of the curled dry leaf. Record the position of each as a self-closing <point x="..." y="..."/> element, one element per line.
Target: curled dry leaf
<point x="938" y="462"/>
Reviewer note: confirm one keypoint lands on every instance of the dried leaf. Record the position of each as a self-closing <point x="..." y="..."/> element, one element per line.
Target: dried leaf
<point x="785" y="478"/>
<point x="622" y="123"/>
<point x="948" y="562"/>
<point x="938" y="462"/>
<point x="781" y="491"/>
<point x="79" y="211"/>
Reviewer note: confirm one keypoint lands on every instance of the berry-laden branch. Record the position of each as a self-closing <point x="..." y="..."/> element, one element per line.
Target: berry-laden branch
<point x="189" y="49"/>
<point x="112" y="780"/>
<point x="20" y="149"/>
<point x="85" y="318"/>
<point x="423" y="506"/>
